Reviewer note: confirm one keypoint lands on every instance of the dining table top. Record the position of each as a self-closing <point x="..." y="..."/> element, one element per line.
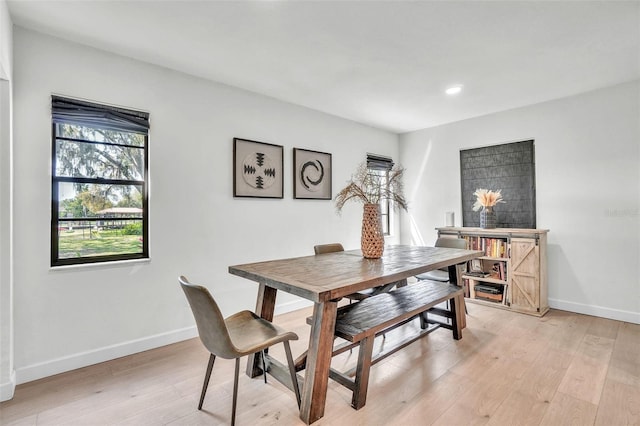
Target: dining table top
<point x="330" y="276"/>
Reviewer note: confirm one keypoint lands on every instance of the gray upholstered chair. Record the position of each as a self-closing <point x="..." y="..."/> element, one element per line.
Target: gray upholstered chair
<point x="241" y="334"/>
<point x="442" y="275"/>
<point x="328" y="248"/>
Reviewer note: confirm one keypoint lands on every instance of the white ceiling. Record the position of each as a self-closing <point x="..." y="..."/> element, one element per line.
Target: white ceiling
<point x="384" y="63"/>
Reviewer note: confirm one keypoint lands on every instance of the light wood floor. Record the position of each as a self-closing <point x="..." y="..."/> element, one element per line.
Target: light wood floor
<point x="508" y="369"/>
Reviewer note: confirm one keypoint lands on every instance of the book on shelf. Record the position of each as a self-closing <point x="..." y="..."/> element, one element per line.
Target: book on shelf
<point x="488" y="292"/>
<point x="503" y="271"/>
<point x="492" y="247"/>
<point x="495" y="271"/>
<point x="495" y="298"/>
<point x="465" y="286"/>
<point x="479" y="274"/>
<point x="498" y="271"/>
<point x="485" y="268"/>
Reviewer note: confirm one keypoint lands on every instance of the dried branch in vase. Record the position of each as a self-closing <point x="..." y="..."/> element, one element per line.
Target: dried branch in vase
<point x="367" y="187"/>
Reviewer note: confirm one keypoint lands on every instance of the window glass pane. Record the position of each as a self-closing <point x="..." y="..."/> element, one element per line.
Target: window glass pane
<point x="99" y="238"/>
<point x="385" y="224"/>
<point x="92" y="200"/>
<point x="91" y="160"/>
<point x="99" y="192"/>
<point x="381" y="179"/>
<point x="75" y="131"/>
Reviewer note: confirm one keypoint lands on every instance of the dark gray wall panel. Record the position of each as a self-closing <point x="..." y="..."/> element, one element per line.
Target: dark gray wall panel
<point x="509" y="167"/>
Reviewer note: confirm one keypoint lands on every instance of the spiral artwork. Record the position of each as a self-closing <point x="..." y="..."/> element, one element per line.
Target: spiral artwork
<point x="311" y="175"/>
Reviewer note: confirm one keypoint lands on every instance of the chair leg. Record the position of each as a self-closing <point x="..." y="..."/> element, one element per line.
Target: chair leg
<point x="207" y="376"/>
<point x="235" y="393"/>
<point x="264" y="366"/>
<point x="292" y="370"/>
<point x="351" y="349"/>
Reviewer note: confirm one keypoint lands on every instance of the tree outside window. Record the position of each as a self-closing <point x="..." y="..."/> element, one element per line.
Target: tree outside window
<point x="99" y="185"/>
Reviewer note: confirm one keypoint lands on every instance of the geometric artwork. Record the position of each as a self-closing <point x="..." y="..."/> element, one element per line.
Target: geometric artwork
<point x="311" y="174"/>
<point x="257" y="169"/>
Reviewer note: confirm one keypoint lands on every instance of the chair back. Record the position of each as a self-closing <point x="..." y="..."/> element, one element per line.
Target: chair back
<point x="328" y="248"/>
<point x="211" y="326"/>
<point x="458" y="243"/>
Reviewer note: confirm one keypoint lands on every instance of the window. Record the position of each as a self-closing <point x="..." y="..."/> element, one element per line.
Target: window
<point x="99" y="200"/>
<point x="380" y="166"/>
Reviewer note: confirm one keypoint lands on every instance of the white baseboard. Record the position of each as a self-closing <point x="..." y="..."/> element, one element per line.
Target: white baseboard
<point x="596" y="311"/>
<point x="84" y="359"/>
<point x="8" y="389"/>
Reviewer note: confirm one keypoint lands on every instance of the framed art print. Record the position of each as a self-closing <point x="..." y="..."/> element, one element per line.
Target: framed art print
<point x="257" y="169"/>
<point x="311" y="174"/>
<point x="476" y="265"/>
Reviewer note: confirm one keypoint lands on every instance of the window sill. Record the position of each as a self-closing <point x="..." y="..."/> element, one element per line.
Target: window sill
<point x="100" y="265"/>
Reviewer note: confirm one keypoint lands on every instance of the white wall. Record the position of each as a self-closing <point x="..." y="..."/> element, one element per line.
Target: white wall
<point x="6" y="38"/>
<point x="586" y="149"/>
<point x="71" y="317"/>
<point x="587" y="184"/>
<point x="7" y="373"/>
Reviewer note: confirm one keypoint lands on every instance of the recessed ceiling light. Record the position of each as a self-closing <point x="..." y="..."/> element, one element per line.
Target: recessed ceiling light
<point x="454" y="90"/>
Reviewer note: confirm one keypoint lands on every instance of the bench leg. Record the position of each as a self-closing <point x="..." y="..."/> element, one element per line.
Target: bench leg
<point x="424" y="320"/>
<point x="362" y="373"/>
<point x="457" y="316"/>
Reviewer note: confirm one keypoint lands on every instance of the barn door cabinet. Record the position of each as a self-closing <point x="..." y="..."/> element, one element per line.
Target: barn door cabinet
<point x="513" y="273"/>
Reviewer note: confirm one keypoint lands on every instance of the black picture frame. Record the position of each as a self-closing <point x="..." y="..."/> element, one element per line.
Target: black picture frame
<point x="312" y="174"/>
<point x="257" y="169"/>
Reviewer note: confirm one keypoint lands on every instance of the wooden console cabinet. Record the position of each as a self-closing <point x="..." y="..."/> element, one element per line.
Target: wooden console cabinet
<point x="513" y="273"/>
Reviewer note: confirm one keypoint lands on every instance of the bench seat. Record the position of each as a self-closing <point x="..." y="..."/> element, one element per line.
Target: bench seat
<point x="377" y="313"/>
<point x="361" y="322"/>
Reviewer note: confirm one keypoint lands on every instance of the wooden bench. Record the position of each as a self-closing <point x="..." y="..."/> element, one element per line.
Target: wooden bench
<point x="362" y="321"/>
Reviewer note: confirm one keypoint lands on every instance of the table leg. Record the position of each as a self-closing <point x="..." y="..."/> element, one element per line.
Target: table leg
<point x="455" y="277"/>
<point x="314" y="392"/>
<point x="457" y="312"/>
<point x="265" y="305"/>
<point x="462" y="307"/>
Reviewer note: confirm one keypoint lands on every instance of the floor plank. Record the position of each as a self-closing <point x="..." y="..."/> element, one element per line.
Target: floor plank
<point x="508" y="369"/>
<point x="566" y="410"/>
<point x="625" y="358"/>
<point x="620" y="404"/>
<point x="587" y="372"/>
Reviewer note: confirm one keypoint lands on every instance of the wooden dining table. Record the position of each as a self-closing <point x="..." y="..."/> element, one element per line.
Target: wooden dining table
<point x="324" y="279"/>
